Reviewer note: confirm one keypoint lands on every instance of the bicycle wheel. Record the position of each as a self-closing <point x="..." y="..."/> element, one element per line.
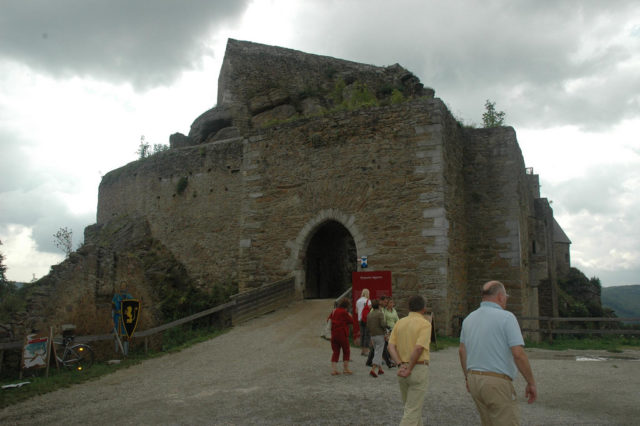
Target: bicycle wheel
<point x="78" y="357"/>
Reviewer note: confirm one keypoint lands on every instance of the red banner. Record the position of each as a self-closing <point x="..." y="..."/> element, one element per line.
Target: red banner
<point x="378" y="283"/>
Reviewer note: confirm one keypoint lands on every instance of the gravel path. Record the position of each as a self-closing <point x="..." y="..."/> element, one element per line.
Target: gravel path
<point x="275" y="370"/>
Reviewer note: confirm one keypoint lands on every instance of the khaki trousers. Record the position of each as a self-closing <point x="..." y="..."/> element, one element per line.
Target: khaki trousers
<point x="496" y="400"/>
<point x="413" y="390"/>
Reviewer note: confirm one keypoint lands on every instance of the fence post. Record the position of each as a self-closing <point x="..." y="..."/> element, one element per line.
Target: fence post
<point x="550" y="328"/>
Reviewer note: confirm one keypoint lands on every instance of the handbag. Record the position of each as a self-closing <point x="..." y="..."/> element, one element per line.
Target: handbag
<point x="326" y="330"/>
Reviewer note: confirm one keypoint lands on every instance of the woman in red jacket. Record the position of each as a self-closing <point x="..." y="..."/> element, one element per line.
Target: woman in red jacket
<point x="340" y="321"/>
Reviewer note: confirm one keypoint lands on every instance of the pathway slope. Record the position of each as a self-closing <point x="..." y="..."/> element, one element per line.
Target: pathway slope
<point x="275" y="370"/>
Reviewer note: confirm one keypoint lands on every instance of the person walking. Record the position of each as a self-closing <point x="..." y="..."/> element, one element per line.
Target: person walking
<point x="390" y="313"/>
<point x="340" y="322"/>
<point x="376" y="327"/>
<point x="384" y="302"/>
<point x="491" y="349"/>
<point x="409" y="349"/>
<point x="362" y="303"/>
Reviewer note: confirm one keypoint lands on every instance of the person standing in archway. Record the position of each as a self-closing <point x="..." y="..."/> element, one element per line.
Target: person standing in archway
<point x="362" y="303"/>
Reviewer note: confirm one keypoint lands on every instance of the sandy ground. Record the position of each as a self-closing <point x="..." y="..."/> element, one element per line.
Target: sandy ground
<point x="275" y="370"/>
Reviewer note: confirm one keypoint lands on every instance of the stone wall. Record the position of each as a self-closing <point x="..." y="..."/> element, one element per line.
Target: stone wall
<point x="281" y="180"/>
<point x="391" y="176"/>
<point x="376" y="171"/>
<point x="498" y="203"/>
<point x="543" y="269"/>
<point x="192" y="198"/>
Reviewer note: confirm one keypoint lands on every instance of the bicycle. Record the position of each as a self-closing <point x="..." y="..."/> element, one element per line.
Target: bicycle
<point x="74" y="356"/>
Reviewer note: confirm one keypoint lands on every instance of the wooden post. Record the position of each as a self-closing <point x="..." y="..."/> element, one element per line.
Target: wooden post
<point x="550" y="328"/>
<point x="49" y="347"/>
<point x="55" y="355"/>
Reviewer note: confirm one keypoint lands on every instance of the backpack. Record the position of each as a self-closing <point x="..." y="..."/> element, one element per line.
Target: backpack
<point x="365" y="311"/>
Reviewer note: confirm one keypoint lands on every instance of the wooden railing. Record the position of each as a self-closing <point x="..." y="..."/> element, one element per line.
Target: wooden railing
<point x="251" y="304"/>
<point x="242" y="307"/>
<point x="551" y="328"/>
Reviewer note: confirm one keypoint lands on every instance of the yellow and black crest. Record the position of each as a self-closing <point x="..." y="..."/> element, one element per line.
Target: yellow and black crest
<point x="130" y="315"/>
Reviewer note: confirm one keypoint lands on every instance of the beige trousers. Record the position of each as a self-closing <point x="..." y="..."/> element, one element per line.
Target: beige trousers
<point x="496" y="400"/>
<point x="413" y="390"/>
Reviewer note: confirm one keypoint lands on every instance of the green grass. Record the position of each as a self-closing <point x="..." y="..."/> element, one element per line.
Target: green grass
<point x="174" y="340"/>
<point x="611" y="344"/>
<point x="443" y="342"/>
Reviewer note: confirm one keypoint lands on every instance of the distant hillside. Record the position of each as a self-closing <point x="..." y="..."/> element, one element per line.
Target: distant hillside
<point x="624" y="300"/>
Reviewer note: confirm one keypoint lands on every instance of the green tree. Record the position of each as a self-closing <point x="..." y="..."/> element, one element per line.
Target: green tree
<point x="3" y="269"/>
<point x="158" y="147"/>
<point x="491" y="117"/>
<point x="10" y="301"/>
<point x="63" y="239"/>
<point x="143" y="149"/>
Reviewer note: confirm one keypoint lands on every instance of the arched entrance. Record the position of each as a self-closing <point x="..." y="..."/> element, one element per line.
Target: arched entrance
<point x="329" y="261"/>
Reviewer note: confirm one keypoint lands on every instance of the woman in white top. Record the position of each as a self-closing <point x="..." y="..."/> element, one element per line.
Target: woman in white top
<point x="364" y="332"/>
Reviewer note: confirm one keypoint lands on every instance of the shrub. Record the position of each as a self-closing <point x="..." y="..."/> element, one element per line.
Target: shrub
<point x="182" y="184"/>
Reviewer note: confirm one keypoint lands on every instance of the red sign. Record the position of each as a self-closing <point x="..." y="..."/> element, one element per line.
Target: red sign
<point x="378" y="283"/>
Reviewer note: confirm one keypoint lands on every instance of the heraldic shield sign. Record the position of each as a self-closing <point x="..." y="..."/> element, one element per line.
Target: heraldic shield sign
<point x="130" y="315"/>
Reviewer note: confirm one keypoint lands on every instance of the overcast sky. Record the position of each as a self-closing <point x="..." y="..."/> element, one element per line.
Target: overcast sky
<point x="81" y="81"/>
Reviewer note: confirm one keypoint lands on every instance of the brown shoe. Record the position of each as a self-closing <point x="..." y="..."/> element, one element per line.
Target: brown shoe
<point x="347" y="372"/>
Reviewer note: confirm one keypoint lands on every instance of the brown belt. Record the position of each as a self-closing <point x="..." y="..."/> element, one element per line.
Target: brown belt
<point x="491" y="373"/>
<point x="418" y="362"/>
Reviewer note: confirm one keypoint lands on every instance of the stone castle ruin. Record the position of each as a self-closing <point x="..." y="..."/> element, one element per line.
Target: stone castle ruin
<point x="307" y="163"/>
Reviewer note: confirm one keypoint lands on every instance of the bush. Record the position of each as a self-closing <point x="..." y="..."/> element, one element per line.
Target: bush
<point x="182" y="184"/>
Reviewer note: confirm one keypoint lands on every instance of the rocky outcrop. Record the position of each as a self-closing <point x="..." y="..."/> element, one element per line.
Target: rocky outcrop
<point x="260" y="85"/>
<point x="579" y="295"/>
<point x="120" y="253"/>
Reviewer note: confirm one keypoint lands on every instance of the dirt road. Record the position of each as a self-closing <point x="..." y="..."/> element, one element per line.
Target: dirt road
<point x="275" y="370"/>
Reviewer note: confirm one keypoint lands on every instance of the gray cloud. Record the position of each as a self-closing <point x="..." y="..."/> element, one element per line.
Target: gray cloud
<point x="601" y="190"/>
<point x="27" y="196"/>
<point x="599" y="214"/>
<point x="15" y="169"/>
<point x="146" y="43"/>
<point x="620" y="277"/>
<point x="523" y="55"/>
<point x="42" y="211"/>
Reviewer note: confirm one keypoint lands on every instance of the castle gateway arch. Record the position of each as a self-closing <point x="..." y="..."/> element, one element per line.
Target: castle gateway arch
<point x="330" y="259"/>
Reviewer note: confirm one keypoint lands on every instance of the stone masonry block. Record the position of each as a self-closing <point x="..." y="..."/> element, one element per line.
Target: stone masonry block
<point x="433" y="212"/>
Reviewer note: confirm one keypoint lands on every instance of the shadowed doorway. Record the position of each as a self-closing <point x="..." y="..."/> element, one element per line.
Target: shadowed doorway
<point x="330" y="260"/>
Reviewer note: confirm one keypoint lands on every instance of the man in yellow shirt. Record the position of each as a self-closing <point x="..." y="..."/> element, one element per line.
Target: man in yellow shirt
<point x="409" y="348"/>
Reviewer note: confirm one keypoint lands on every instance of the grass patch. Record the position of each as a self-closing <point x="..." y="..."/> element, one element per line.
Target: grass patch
<point x="612" y="344"/>
<point x="444" y="342"/>
<point x="174" y="340"/>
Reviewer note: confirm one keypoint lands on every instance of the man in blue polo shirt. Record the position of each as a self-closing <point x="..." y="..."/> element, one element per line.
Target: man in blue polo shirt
<point x="491" y="353"/>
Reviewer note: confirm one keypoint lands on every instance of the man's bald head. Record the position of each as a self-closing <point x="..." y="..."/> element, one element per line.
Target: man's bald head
<point x="494" y="291"/>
